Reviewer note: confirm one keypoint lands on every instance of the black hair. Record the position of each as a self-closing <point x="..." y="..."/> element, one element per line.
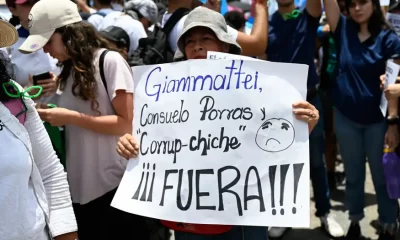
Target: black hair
<point x="235" y="19"/>
<point x="6" y="74"/>
<point x="105" y="2"/>
<point x="14" y="20"/>
<point x="377" y="22"/>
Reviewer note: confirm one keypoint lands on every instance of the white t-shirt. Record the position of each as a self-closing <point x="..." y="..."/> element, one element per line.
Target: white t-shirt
<point x="132" y="27"/>
<point x="21" y="217"/>
<point x="97" y="19"/>
<point x="176" y="31"/>
<point x="94" y="166"/>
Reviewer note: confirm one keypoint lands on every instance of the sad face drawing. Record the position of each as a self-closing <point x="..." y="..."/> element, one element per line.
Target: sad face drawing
<point x="275" y="135"/>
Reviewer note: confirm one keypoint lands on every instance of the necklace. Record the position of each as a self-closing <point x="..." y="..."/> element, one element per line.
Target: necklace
<point x="293" y="15"/>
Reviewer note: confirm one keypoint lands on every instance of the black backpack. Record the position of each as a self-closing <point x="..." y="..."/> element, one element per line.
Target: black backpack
<point x="155" y="49"/>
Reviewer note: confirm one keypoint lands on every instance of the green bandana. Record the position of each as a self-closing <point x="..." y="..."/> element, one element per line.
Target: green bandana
<point x="293" y="15"/>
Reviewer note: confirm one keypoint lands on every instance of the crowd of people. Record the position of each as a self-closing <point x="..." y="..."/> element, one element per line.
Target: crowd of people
<point x="68" y="64"/>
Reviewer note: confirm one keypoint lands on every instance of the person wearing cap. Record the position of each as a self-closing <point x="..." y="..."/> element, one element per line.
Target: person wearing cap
<point x="145" y="11"/>
<point x="118" y="38"/>
<point x="130" y="22"/>
<point x="365" y="42"/>
<point x="96" y="107"/>
<point x="206" y="30"/>
<point x="252" y="45"/>
<point x="36" y="63"/>
<point x="34" y="194"/>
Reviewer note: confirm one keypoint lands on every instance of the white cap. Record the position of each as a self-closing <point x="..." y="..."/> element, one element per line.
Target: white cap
<point x="45" y="17"/>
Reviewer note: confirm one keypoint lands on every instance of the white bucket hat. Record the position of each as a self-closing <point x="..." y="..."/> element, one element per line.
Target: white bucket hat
<point x="147" y="8"/>
<point x="8" y="34"/>
<point x="45" y="17"/>
<point x="204" y="17"/>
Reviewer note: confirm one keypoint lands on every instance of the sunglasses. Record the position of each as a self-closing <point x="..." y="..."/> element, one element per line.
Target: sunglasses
<point x="16" y="93"/>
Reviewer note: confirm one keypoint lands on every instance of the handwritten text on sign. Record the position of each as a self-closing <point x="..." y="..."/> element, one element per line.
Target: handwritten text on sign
<point x="219" y="144"/>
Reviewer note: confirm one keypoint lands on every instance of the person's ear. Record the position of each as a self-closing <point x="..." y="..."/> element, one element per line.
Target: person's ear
<point x="125" y="52"/>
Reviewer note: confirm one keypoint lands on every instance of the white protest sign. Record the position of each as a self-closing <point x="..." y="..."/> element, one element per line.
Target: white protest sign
<point x="385" y="3"/>
<point x="226" y="56"/>
<point x="219" y="144"/>
<point x="392" y="71"/>
<point x="394" y="20"/>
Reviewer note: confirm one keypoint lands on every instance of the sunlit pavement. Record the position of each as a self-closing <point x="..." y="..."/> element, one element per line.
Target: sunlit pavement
<point x="340" y="213"/>
<point x="339" y="210"/>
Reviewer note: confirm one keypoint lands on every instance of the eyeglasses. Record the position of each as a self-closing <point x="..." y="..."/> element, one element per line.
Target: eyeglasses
<point x="21" y="95"/>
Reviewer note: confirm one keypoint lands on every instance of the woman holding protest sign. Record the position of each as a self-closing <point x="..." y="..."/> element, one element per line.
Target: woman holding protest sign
<point x="206" y="30"/>
<point x="365" y="42"/>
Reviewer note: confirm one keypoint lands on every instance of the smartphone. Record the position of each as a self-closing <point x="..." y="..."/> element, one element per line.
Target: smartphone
<point x="42" y="76"/>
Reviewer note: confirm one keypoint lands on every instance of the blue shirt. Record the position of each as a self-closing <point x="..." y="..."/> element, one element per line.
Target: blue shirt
<point x="294" y="41"/>
<point x="356" y="91"/>
<point x="22" y="32"/>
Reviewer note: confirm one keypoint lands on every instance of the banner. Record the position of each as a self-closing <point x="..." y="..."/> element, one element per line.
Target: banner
<point x="219" y="144"/>
<point x="394" y="20"/>
<point x="385" y="3"/>
<point x="226" y="56"/>
<point x="392" y="71"/>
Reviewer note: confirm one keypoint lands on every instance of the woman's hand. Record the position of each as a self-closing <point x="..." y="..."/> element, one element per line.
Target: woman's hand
<point x="49" y="85"/>
<point x="392" y="137"/>
<point x="128" y="147"/>
<point x="383" y="81"/>
<point x="326" y="28"/>
<point x="68" y="236"/>
<point x="56" y="116"/>
<point x="392" y="91"/>
<point x="306" y="112"/>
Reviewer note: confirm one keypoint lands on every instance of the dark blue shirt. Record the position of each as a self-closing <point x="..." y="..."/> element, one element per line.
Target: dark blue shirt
<point x="294" y="41"/>
<point x="356" y="91"/>
<point x="22" y="32"/>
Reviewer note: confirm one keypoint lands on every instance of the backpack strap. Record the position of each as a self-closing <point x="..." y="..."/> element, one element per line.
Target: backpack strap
<point x="101" y="68"/>
<point x="174" y="19"/>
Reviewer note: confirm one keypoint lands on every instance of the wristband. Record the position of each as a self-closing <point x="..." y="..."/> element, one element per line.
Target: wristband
<point x="393" y="120"/>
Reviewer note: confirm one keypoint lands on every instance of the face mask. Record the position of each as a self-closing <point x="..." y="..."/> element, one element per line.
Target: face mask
<point x="21" y="95"/>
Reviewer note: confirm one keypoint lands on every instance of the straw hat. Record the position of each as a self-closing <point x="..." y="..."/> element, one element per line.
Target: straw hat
<point x="8" y="34"/>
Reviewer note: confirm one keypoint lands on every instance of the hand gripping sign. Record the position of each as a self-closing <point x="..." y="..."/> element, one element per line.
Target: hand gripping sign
<point x="219" y="144"/>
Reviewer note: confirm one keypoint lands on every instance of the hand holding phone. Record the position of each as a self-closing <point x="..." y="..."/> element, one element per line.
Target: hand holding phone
<point x="42" y="76"/>
<point x="47" y="81"/>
